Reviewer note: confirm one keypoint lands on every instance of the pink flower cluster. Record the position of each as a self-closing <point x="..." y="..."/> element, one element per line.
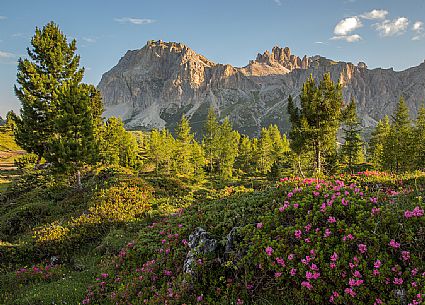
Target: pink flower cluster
<point x="416" y="212"/>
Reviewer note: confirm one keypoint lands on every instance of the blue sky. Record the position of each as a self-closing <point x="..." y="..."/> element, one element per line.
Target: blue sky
<point x="381" y="33"/>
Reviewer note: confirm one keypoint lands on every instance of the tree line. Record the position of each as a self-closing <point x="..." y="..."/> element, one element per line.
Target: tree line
<point x="60" y="121"/>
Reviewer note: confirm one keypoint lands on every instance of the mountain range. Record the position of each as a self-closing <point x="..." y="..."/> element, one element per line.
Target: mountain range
<point x="154" y="86"/>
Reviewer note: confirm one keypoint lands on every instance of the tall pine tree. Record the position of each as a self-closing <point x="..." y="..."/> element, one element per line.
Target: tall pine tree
<point x="52" y="62"/>
<point x="315" y="124"/>
<point x="352" y="149"/>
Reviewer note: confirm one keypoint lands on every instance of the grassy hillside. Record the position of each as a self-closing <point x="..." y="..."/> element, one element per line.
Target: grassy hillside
<point x="123" y="239"/>
<point x="9" y="151"/>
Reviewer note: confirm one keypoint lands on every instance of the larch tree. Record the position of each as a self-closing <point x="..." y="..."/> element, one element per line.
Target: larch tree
<point x="399" y="140"/>
<point x="419" y="140"/>
<point x="184" y="142"/>
<point x="375" y="152"/>
<point x="117" y="145"/>
<point x="210" y="139"/>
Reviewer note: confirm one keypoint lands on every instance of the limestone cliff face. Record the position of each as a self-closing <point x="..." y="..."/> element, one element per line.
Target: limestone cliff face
<point x="152" y="87"/>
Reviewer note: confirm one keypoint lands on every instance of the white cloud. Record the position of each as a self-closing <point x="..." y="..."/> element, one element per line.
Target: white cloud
<point x="392" y="27"/>
<point x="348" y="38"/>
<point x="418" y="28"/>
<point x="137" y="21"/>
<point x="278" y="2"/>
<point x="3" y="17"/>
<point x="6" y="55"/>
<point x="347" y="25"/>
<point x="375" y="14"/>
<point x="319" y="42"/>
<point x="89" y="40"/>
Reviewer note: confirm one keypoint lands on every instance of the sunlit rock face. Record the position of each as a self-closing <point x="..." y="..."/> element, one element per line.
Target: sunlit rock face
<point x="154" y="86"/>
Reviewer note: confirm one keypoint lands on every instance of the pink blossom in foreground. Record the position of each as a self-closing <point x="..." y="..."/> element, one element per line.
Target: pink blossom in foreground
<point x="307" y="285"/>
<point x="362" y="248"/>
<point x="334" y="257"/>
<point x="280" y="261"/>
<point x="405" y="255"/>
<point x="293" y="272"/>
<point x="350" y="292"/>
<point x="298" y="234"/>
<point x="269" y="251"/>
<point x="416" y="212"/>
<point x="394" y="244"/>
<point x="398" y="281"/>
<point x="331" y="219"/>
<point x="259" y="225"/>
<point x="377" y="264"/>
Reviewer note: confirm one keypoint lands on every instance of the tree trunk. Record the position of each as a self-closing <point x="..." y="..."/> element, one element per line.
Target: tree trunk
<point x="79" y="186"/>
<point x="318" y="157"/>
<point x="299" y="166"/>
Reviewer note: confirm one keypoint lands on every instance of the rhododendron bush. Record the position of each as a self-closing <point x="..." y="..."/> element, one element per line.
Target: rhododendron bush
<point x="346" y="240"/>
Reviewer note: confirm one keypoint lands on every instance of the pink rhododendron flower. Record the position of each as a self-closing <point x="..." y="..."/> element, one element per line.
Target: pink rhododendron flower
<point x="307" y="285"/>
<point x="334" y="257"/>
<point x="327" y="233"/>
<point x="331" y="219"/>
<point x="405" y="255"/>
<point x="350" y="292"/>
<point x="378" y="302"/>
<point x="277" y="274"/>
<point x="398" y="281"/>
<point x="269" y="251"/>
<point x="416" y="212"/>
<point x="349" y="236"/>
<point x="377" y="264"/>
<point x="332" y="265"/>
<point x="298" y="234"/>
<point x="259" y="225"/>
<point x="290" y="194"/>
<point x="280" y="261"/>
<point x="375" y="211"/>
<point x="394" y="244"/>
<point x="357" y="274"/>
<point x="362" y="248"/>
<point x="293" y="272"/>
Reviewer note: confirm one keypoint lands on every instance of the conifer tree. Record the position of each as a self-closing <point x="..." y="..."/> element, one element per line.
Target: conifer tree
<point x="315" y="124"/>
<point x="52" y="63"/>
<point x="75" y="126"/>
<point x="265" y="153"/>
<point x="227" y="149"/>
<point x="210" y="139"/>
<point x="117" y="146"/>
<point x="352" y="149"/>
<point x="419" y="140"/>
<point x="245" y="160"/>
<point x="184" y="146"/>
<point x="398" y="144"/>
<point x="161" y="150"/>
<point x="377" y="142"/>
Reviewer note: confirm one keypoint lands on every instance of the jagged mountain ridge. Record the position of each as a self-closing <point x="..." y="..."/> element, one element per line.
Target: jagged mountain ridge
<point x="152" y="87"/>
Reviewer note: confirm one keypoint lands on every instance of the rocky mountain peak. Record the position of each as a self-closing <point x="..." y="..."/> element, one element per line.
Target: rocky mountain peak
<point x="277" y="62"/>
<point x="153" y="86"/>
